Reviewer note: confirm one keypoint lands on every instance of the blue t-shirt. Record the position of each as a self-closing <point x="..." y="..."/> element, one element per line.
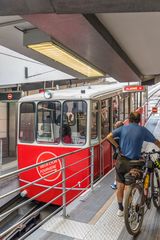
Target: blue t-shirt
<point x="131" y="138"/>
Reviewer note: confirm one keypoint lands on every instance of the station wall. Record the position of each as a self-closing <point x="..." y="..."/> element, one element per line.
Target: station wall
<point x="3" y="128"/>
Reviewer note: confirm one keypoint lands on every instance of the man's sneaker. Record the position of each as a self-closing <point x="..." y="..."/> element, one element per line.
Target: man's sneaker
<point x="114" y="186"/>
<point x="120" y="213"/>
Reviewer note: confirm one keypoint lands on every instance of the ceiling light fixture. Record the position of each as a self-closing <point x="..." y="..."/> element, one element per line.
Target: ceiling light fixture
<point x="57" y="53"/>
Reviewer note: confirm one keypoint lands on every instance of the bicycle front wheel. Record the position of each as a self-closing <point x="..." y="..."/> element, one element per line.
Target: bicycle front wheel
<point x="156" y="189"/>
<point x="134" y="209"/>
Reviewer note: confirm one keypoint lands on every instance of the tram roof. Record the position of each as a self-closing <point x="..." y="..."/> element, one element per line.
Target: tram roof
<point x="91" y="91"/>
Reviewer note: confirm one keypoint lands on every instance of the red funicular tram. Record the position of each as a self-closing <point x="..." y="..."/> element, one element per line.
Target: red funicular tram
<point x="58" y="122"/>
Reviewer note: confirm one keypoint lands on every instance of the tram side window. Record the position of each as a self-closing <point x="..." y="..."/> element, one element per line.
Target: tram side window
<point x="135" y="101"/>
<point x="115" y="109"/>
<point x="27" y="122"/>
<point x="74" y="125"/>
<point x="104" y="118"/>
<point x="144" y="98"/>
<point x="94" y="122"/>
<point x="139" y="99"/>
<point x="121" y="108"/>
<point x="48" y="124"/>
<point x="126" y="106"/>
<point x="131" y="102"/>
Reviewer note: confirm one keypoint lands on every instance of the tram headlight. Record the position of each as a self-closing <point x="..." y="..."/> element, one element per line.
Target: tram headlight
<point x="47" y="94"/>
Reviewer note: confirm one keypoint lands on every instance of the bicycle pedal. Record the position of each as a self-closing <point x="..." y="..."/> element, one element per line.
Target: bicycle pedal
<point x="155" y="194"/>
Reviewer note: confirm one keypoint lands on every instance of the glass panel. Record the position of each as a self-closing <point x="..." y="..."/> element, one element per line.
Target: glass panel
<point x="27" y="122"/>
<point x="74" y="122"/>
<point x="94" y="122"/>
<point x="126" y="106"/>
<point x="104" y="118"/>
<point x="144" y="97"/>
<point x="49" y="119"/>
<point x="115" y="108"/>
<point x="139" y="99"/>
<point x="132" y="103"/>
<point x="136" y="101"/>
<point x="121" y="108"/>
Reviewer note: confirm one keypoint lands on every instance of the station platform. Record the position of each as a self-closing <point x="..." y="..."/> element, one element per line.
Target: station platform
<point x="93" y="216"/>
<point x="8" y="165"/>
<point x="10" y="183"/>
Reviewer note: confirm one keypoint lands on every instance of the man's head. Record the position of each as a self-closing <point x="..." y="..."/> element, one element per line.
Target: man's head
<point x="134" y="117"/>
<point x="66" y="130"/>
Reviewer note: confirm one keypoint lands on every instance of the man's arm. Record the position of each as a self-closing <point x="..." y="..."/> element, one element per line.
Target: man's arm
<point x="112" y="141"/>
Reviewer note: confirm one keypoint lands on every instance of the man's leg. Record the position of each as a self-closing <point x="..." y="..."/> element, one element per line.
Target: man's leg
<point x="120" y="191"/>
<point x="120" y="185"/>
<point x="120" y="194"/>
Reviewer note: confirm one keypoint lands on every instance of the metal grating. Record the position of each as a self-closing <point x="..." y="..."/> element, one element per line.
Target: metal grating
<point x="67" y="227"/>
<point x="108" y="227"/>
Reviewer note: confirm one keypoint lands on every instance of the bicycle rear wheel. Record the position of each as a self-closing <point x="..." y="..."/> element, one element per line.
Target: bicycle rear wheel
<point x="134" y="209"/>
<point x="156" y="188"/>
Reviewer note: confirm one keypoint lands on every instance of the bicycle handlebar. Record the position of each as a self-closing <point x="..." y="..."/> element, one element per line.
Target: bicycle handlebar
<point x="152" y="152"/>
<point x="147" y="156"/>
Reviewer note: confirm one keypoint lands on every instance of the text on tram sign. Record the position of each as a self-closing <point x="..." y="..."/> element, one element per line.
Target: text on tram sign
<point x="133" y="88"/>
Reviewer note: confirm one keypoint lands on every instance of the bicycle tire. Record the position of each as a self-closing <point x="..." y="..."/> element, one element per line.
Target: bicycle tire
<point x="140" y="209"/>
<point x="156" y="188"/>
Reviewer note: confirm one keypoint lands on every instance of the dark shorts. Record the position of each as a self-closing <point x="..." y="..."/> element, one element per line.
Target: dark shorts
<point x="122" y="167"/>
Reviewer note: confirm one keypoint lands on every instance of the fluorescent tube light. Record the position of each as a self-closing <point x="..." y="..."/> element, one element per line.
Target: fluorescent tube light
<point x="60" y="55"/>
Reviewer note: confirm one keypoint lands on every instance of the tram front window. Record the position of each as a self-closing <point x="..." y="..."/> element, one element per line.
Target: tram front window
<point x="74" y="122"/>
<point x="26" y="124"/>
<point x="49" y="118"/>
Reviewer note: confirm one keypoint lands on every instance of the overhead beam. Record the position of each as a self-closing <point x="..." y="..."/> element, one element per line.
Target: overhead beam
<point x="6" y="24"/>
<point x="20" y="7"/>
<point x="80" y="36"/>
<point x="94" y="21"/>
<point x="149" y="82"/>
<point x="106" y="6"/>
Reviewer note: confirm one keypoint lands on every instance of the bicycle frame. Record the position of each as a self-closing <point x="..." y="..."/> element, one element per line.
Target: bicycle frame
<point x="147" y="188"/>
<point x="148" y="178"/>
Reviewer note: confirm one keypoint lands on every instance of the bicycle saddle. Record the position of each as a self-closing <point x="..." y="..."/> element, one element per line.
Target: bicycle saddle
<point x="137" y="163"/>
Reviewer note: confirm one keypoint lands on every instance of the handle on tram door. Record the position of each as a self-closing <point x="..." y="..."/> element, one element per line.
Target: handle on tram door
<point x="64" y="187"/>
<point x="92" y="166"/>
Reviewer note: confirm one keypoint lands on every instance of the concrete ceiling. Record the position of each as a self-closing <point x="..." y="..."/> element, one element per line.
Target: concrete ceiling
<point x="17" y="7"/>
<point x="138" y="34"/>
<point x="121" y="38"/>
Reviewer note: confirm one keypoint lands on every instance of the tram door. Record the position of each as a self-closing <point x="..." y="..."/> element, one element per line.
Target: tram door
<point x="105" y="147"/>
<point x="100" y="127"/>
<point x="95" y="140"/>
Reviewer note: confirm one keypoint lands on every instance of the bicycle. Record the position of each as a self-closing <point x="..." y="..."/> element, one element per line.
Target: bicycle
<point x="144" y="187"/>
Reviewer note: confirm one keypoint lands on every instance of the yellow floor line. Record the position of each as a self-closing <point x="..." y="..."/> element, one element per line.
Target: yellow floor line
<point x="102" y="210"/>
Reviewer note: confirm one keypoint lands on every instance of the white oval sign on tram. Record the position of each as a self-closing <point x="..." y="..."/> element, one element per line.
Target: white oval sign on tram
<point x="50" y="167"/>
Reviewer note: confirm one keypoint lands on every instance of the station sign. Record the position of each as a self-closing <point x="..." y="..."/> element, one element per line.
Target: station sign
<point x="41" y="90"/>
<point x="137" y="88"/>
<point x="10" y="96"/>
<point x="154" y="109"/>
